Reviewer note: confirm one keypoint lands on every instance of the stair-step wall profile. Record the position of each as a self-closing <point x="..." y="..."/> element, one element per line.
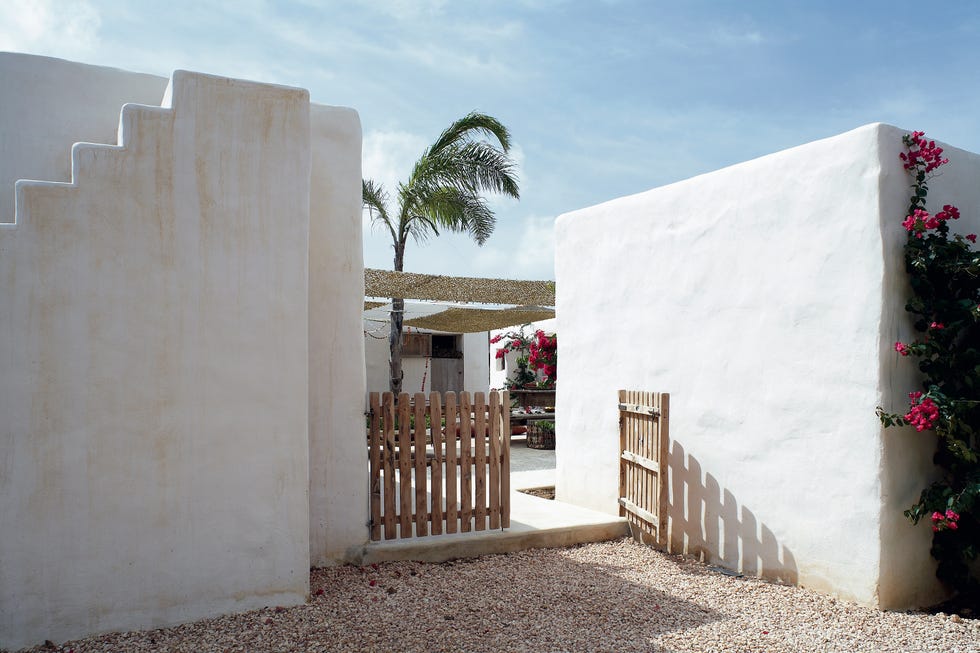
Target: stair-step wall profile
<point x="49" y="104"/>
<point x="154" y="353"/>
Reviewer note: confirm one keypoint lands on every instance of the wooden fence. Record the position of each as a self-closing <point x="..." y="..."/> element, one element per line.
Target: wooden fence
<point x="438" y="466"/>
<point x="643" y="438"/>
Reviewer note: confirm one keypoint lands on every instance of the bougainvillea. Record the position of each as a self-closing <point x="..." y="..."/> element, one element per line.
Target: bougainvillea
<point x="519" y="343"/>
<point x="944" y="273"/>
<point x="535" y="353"/>
<point x="544" y="356"/>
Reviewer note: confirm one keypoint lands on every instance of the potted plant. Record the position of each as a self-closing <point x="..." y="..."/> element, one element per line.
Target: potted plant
<point x="541" y="435"/>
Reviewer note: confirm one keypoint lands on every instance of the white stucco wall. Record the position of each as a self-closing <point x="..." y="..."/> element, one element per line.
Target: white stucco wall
<point x="54" y="104"/>
<point x="476" y="365"/>
<point x="476" y="372"/>
<point x="338" y="455"/>
<point x="765" y="297"/>
<point x="180" y="334"/>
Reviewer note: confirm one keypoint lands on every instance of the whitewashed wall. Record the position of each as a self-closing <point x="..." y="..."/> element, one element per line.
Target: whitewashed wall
<point x="338" y="488"/>
<point x="476" y="372"/>
<point x="476" y="367"/>
<point x="166" y="326"/>
<point x="765" y="297"/>
<point x="54" y="104"/>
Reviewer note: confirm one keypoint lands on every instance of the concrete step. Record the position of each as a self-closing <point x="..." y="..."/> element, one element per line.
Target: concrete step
<point x="535" y="523"/>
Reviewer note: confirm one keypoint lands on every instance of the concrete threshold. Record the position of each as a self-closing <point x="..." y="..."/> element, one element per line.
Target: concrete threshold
<point x="535" y="523"/>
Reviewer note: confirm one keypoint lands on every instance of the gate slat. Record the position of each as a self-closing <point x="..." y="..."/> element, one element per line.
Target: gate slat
<point x="623" y="446"/>
<point x="421" y="505"/>
<point x="634" y="441"/>
<point x="505" y="463"/>
<point x="644" y="423"/>
<point x="451" y="463"/>
<point x="375" y="460"/>
<point x="466" y="462"/>
<point x="404" y="466"/>
<point x="480" y="461"/>
<point x="435" y="410"/>
<point x="663" y="429"/>
<point x="388" y="460"/>
<point x="642" y="461"/>
<point x="638" y="511"/>
<point x="493" y="488"/>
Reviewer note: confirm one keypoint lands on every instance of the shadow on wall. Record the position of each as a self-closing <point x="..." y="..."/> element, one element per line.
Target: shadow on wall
<point x="706" y="521"/>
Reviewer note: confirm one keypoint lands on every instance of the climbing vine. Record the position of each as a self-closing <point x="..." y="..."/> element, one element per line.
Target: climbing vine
<point x="944" y="273"/>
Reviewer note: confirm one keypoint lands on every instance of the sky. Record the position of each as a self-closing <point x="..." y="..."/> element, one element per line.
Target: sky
<point x="603" y="98"/>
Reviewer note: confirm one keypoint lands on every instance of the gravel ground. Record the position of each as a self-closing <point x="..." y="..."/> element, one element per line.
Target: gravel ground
<point x="614" y="596"/>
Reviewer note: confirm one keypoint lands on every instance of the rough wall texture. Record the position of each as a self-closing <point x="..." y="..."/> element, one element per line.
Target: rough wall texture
<point x="338" y="457"/>
<point x="476" y="371"/>
<point x="154" y="369"/>
<point x="55" y="104"/>
<point x="765" y="298"/>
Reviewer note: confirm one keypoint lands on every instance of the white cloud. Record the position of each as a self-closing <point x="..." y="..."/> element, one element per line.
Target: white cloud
<point x="538" y="238"/>
<point x="65" y="29"/>
<point x="405" y="9"/>
<point x="726" y="36"/>
<point x="388" y="156"/>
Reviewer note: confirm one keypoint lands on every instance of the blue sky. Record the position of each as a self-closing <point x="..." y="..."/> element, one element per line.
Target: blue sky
<point x="603" y="99"/>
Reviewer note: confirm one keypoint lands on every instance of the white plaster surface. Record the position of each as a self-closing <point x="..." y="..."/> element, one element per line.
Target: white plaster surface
<point x="54" y="104"/>
<point x="765" y="297"/>
<point x="476" y="371"/>
<point x="180" y="332"/>
<point x="476" y="365"/>
<point x="338" y="455"/>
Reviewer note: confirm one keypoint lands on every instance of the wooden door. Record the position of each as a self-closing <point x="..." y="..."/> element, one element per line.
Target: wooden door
<point x="643" y="436"/>
<point x="447" y="375"/>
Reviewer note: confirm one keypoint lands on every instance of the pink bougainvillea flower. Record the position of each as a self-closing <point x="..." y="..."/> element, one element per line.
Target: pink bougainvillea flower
<point x="952" y="526"/>
<point x="927" y="154"/>
<point x="923" y="415"/>
<point x="937" y="325"/>
<point x="971" y="237"/>
<point x="936" y="516"/>
<point x="902" y="348"/>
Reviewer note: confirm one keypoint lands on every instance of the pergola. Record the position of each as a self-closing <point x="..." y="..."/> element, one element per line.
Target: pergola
<point x="446" y="300"/>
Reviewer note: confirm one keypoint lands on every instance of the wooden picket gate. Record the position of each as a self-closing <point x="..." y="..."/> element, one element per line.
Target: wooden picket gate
<point x="643" y="437"/>
<point x="413" y="468"/>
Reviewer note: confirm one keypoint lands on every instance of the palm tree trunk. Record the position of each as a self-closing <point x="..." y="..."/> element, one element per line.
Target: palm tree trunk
<point x="395" y="330"/>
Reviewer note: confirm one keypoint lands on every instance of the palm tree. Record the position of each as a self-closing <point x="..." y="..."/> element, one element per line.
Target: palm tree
<point x="444" y="192"/>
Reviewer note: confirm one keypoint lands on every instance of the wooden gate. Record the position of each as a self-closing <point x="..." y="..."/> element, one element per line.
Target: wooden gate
<point x="643" y="435"/>
<point x="436" y="471"/>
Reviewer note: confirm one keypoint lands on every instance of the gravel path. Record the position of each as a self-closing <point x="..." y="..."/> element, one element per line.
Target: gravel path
<point x="614" y="596"/>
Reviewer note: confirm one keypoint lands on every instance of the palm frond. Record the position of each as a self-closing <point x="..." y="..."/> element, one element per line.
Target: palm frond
<point x="487" y="169"/>
<point x="469" y="126"/>
<point x="458" y="210"/>
<point x="375" y="200"/>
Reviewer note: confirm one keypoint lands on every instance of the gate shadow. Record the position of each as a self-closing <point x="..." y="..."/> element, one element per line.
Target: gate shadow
<point x="706" y="521"/>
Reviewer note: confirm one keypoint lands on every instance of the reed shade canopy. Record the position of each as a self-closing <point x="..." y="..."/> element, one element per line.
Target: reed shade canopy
<point x="530" y="300"/>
